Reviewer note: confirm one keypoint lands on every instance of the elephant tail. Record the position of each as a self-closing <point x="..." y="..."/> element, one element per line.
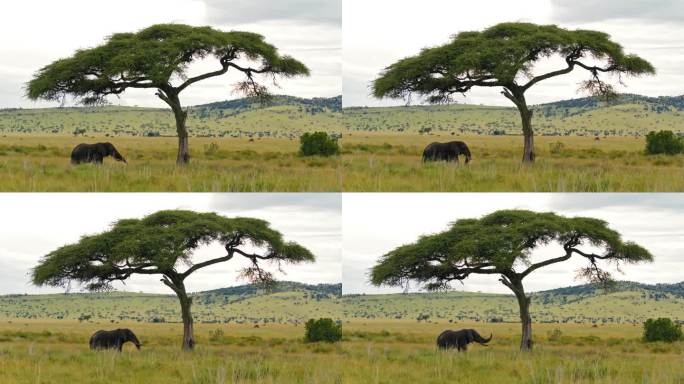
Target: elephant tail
<point x="480" y="339"/>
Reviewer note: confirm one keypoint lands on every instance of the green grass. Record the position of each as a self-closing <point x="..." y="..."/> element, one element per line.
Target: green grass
<point x="291" y="307"/>
<point x="628" y="119"/>
<point x="633" y="307"/>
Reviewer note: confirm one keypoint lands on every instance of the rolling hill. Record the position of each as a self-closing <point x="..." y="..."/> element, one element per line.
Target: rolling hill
<point x="291" y="302"/>
<point x="628" y="115"/>
<point x="628" y="302"/>
<point x="282" y="116"/>
<point x="288" y="302"/>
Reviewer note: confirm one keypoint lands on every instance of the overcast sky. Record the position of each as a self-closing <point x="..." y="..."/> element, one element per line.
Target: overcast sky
<point x="374" y="224"/>
<point x="34" y="224"/>
<point x="33" y="33"/>
<point x="377" y="33"/>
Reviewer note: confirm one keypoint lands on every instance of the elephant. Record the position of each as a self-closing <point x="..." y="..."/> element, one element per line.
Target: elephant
<point x="446" y="151"/>
<point x="113" y="339"/>
<point x="460" y="339"/>
<point x="94" y="153"/>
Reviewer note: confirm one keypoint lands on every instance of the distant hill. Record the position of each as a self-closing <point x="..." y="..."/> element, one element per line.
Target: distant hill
<point x="288" y="302"/>
<point x="628" y="115"/>
<point x="662" y="103"/>
<point x="281" y="117"/>
<point x="628" y="302"/>
<point x="316" y="103"/>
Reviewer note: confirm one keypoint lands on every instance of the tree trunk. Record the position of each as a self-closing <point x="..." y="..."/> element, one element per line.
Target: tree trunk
<point x="188" y="330"/>
<point x="526" y="116"/>
<point x="526" y="323"/>
<point x="515" y="285"/>
<point x="170" y="97"/>
<point x="183" y="150"/>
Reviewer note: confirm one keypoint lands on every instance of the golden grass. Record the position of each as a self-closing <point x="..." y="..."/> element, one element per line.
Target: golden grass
<point x="372" y="352"/>
<point x="369" y="163"/>
<point x="40" y="163"/>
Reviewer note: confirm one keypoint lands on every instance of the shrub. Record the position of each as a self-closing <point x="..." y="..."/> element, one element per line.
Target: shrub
<point x="662" y="329"/>
<point x="663" y="142"/>
<point x="318" y="143"/>
<point x="322" y="330"/>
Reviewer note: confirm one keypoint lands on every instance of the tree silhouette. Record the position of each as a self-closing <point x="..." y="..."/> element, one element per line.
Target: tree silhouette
<point x="156" y="58"/>
<point x="503" y="56"/>
<point x="502" y="243"/>
<point x="160" y="244"/>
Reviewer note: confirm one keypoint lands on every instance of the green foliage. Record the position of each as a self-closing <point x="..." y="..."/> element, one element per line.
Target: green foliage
<point x="663" y="142"/>
<point x="324" y="329"/>
<point x="496" y="243"/>
<point x="662" y="329"/>
<point x="150" y="57"/>
<point x="157" y="244"/>
<point x="318" y="143"/>
<point x="499" y="56"/>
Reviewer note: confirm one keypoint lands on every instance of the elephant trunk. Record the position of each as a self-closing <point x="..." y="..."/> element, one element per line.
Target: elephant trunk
<point x="481" y="339"/>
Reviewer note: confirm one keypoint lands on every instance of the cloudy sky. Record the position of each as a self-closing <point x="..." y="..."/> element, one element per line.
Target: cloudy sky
<point x="33" y="33"/>
<point x="34" y="224"/>
<point x="374" y="224"/>
<point x="376" y="33"/>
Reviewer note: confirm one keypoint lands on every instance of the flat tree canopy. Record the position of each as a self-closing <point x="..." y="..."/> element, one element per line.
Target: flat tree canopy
<point x="504" y="56"/>
<point x="163" y="243"/>
<point x="159" y="57"/>
<point x="502" y="243"/>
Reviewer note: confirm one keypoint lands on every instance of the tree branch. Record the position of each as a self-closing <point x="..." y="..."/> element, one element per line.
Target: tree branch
<point x="206" y="264"/>
<point x="544" y="263"/>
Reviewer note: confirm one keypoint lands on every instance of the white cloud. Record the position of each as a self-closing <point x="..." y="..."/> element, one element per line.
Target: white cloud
<point x="35" y="224"/>
<point x="33" y="33"/>
<point x="377" y="33"/>
<point x="374" y="224"/>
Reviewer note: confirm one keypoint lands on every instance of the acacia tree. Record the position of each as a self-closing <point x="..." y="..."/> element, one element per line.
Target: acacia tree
<point x="502" y="243"/>
<point x="161" y="244"/>
<point x="158" y="57"/>
<point x="504" y="56"/>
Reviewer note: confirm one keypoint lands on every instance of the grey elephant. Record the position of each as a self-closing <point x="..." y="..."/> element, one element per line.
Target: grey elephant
<point x="446" y="151"/>
<point x="113" y="339"/>
<point x="460" y="339"/>
<point x="94" y="153"/>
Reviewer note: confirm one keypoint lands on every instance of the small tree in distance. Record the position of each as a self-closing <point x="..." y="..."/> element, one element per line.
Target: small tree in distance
<point x="161" y="244"/>
<point x="324" y="329"/>
<point x="156" y="58"/>
<point x="318" y="143"/>
<point x="503" y="56"/>
<point x="662" y="329"/>
<point x="664" y="142"/>
<point x="502" y="244"/>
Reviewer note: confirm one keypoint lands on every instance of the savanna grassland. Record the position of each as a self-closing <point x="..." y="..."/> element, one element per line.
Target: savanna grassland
<point x="378" y="346"/>
<point x="581" y="145"/>
<point x="396" y="351"/>
<point x="57" y="352"/>
<point x="41" y="163"/>
<point x="582" y="334"/>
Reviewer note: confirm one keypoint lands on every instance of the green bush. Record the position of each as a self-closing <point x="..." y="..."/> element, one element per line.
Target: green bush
<point x="662" y="329"/>
<point x="663" y="142"/>
<point x="318" y="143"/>
<point x="322" y="330"/>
